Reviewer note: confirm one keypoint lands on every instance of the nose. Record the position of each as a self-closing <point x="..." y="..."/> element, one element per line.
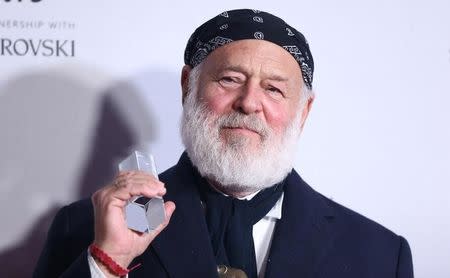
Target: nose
<point x="249" y="99"/>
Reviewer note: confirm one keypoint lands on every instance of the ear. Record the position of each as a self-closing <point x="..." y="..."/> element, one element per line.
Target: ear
<point x="185" y="81"/>
<point x="305" y="112"/>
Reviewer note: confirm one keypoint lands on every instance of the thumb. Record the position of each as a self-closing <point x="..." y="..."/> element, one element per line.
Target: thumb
<point x="169" y="208"/>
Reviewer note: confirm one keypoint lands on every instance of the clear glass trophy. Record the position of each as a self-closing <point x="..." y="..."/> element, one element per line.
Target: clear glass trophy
<point x="143" y="214"/>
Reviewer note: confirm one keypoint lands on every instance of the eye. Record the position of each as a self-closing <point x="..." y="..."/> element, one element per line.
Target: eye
<point x="274" y="90"/>
<point x="230" y="81"/>
<point x="227" y="79"/>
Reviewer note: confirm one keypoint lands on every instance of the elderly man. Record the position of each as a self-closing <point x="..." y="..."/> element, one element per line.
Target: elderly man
<point x="242" y="210"/>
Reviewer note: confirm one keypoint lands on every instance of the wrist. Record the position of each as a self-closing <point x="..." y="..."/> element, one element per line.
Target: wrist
<point x="105" y="270"/>
<point x="108" y="264"/>
<point x="121" y="258"/>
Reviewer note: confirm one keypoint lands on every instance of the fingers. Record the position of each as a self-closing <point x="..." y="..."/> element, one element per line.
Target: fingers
<point x="125" y="179"/>
<point x="137" y="183"/>
<point x="127" y="185"/>
<point x="137" y="188"/>
<point x="123" y="175"/>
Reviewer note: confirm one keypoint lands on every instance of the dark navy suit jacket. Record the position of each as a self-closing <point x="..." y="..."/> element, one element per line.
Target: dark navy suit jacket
<point x="315" y="237"/>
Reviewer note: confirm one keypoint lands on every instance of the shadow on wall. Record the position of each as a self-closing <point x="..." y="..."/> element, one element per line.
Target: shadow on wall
<point x="125" y="123"/>
<point x="62" y="135"/>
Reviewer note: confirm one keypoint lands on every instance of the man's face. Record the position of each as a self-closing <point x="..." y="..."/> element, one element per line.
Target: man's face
<point x="254" y="78"/>
<point x="243" y="115"/>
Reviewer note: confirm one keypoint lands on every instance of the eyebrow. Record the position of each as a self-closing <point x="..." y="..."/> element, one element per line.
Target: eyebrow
<point x="240" y="69"/>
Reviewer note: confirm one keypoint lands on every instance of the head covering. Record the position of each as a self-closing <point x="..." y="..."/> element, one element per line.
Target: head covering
<point x="249" y="24"/>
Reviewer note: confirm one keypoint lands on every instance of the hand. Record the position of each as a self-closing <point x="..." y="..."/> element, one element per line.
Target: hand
<point x="111" y="232"/>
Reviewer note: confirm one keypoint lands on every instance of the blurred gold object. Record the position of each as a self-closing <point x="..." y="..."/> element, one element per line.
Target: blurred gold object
<point x="228" y="272"/>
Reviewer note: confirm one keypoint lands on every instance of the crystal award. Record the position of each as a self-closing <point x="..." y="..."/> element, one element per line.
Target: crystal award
<point x="143" y="214"/>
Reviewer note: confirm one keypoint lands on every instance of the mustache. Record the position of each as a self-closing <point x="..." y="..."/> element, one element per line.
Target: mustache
<point x="239" y="120"/>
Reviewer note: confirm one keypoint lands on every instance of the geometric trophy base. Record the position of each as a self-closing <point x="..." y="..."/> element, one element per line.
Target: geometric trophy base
<point x="145" y="214"/>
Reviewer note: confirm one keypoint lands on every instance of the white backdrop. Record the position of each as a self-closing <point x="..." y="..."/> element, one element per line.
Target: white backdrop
<point x="377" y="140"/>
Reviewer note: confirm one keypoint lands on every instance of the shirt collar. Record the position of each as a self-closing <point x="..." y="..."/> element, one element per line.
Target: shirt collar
<point x="275" y="212"/>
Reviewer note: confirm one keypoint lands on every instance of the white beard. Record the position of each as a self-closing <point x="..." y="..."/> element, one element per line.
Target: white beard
<point x="232" y="165"/>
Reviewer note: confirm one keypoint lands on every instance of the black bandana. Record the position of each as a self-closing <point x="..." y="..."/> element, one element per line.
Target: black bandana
<point x="249" y="24"/>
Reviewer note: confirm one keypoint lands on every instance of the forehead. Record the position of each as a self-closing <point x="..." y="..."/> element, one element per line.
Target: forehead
<point x="254" y="57"/>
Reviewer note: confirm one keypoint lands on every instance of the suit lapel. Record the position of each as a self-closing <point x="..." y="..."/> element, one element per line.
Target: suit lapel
<point x="302" y="235"/>
<point x="184" y="247"/>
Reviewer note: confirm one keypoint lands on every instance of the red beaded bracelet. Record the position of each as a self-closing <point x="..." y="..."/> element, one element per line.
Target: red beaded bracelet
<point x="107" y="261"/>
